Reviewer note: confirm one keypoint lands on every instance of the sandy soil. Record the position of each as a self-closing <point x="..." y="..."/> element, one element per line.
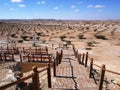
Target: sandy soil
<point x="100" y="38"/>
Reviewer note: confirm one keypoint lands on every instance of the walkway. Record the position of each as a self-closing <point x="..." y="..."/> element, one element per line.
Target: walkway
<point x="71" y="75"/>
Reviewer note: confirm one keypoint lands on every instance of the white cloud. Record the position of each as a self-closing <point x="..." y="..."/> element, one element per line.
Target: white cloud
<point x="22" y="5"/>
<point x="90" y="6"/>
<point x="42" y="2"/>
<point x="16" y="1"/>
<point x="76" y="10"/>
<point x="56" y="8"/>
<point x="99" y="6"/>
<point x="73" y="6"/>
<point x="95" y="6"/>
<point x="12" y="9"/>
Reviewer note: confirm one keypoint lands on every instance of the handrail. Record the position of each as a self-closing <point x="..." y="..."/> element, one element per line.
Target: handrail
<point x="107" y="69"/>
<point x="21" y="80"/>
<point x="96" y="65"/>
<point x="83" y="59"/>
<point x="15" y="82"/>
<point x="43" y="70"/>
<point x="113" y="72"/>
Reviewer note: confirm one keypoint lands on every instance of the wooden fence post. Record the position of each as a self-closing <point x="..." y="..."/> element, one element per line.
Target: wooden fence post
<point x="86" y="59"/>
<point x="28" y="58"/>
<point x="61" y="53"/>
<point x="5" y="58"/>
<point x="23" y="50"/>
<point x="102" y="74"/>
<point x="49" y="76"/>
<point x="91" y="67"/>
<point x="57" y="58"/>
<point x="20" y="57"/>
<point x="35" y="50"/>
<point x="35" y="79"/>
<point x="0" y="57"/>
<point x="13" y="57"/>
<point x="54" y="72"/>
<point x="79" y="58"/>
<point x="83" y="58"/>
<point x="74" y="49"/>
<point x="46" y="49"/>
<point x="76" y="53"/>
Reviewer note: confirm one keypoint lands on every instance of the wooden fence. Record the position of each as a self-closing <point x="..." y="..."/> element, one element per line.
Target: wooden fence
<point x="7" y="57"/>
<point x="35" y="79"/>
<point x="83" y="60"/>
<point x="36" y="58"/>
<point x="35" y="50"/>
<point x="35" y="75"/>
<point x="57" y="61"/>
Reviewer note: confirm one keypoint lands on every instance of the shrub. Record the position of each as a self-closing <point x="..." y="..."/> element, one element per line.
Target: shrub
<point x="68" y="42"/>
<point x="101" y="37"/>
<point x="20" y="41"/>
<point x="88" y="48"/>
<point x="62" y="37"/>
<point x="13" y="36"/>
<point x="39" y="34"/>
<point x="24" y="37"/>
<point x="81" y="37"/>
<point x="90" y="44"/>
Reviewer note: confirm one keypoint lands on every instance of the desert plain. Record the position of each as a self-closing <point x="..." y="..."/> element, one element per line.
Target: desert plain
<point x="100" y="38"/>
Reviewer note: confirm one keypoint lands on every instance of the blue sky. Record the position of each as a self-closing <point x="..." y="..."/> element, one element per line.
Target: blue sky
<point x="60" y="9"/>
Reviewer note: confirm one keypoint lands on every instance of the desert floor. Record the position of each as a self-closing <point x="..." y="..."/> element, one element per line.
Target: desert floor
<point x="100" y="38"/>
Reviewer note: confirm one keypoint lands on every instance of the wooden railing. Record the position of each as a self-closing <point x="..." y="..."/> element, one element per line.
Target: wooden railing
<point x="36" y="58"/>
<point x="35" y="75"/>
<point x="57" y="61"/>
<point x="9" y="50"/>
<point x="7" y="57"/>
<point x="35" y="50"/>
<point x="83" y="60"/>
<point x="35" y="79"/>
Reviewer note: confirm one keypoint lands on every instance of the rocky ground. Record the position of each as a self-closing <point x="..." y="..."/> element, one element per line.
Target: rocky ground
<point x="100" y="38"/>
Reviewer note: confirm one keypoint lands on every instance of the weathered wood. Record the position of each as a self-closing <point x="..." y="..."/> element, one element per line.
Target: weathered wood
<point x="79" y="58"/>
<point x="102" y="74"/>
<point x="1" y="58"/>
<point x="71" y="75"/>
<point x="35" y="79"/>
<point x="21" y="58"/>
<point x="83" y="56"/>
<point x="49" y="76"/>
<point x="57" y="58"/>
<point x="91" y="68"/>
<point x="54" y="68"/>
<point x="15" y="82"/>
<point x="86" y="59"/>
<point x="13" y="57"/>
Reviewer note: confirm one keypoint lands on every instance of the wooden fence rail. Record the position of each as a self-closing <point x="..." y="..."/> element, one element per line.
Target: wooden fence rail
<point x="36" y="58"/>
<point x="57" y="61"/>
<point x="35" y="79"/>
<point x="83" y="59"/>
